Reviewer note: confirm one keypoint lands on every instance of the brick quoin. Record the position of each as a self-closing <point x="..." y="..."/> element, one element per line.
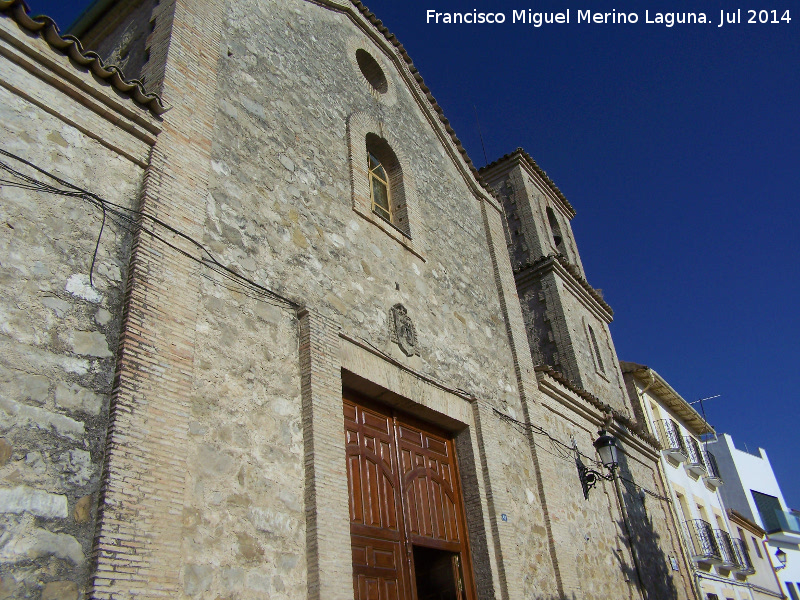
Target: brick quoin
<point x="138" y="549"/>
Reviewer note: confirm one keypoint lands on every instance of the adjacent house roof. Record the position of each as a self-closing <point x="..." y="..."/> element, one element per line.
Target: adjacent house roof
<point x="671" y="399"/>
<point x="740" y="519"/>
<point x="47" y="29"/>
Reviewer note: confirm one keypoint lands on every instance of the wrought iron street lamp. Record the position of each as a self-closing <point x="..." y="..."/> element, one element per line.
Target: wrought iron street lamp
<point x="781" y="556"/>
<point x="606" y="446"/>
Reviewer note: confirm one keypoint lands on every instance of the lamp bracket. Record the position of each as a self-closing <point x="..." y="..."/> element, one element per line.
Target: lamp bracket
<point x="589" y="477"/>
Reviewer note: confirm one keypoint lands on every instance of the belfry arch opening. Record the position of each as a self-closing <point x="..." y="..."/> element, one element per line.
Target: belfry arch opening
<point x="555" y="230"/>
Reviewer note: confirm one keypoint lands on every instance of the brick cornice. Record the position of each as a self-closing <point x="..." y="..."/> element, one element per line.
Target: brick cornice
<point x="531" y="269"/>
<point x="606" y="411"/>
<point x="520" y="157"/>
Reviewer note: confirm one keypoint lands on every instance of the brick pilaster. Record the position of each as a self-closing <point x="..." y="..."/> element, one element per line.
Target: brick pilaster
<point x="526" y="382"/>
<point x="138" y="548"/>
<point x="330" y="568"/>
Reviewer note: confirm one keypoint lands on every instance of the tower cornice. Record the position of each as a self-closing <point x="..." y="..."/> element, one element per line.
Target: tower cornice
<point x="519" y="157"/>
<point x="589" y="296"/>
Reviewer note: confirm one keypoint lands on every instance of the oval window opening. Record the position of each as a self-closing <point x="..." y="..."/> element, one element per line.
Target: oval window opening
<point x="371" y="71"/>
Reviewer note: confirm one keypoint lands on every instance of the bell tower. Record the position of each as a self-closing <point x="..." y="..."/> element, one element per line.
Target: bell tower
<point x="565" y="318"/>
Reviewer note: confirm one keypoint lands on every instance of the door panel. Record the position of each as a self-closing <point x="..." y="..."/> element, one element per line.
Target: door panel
<point x="377" y="565"/>
<point x="430" y="501"/>
<point x="371" y="469"/>
<point x="374" y="487"/>
<point x="404" y="497"/>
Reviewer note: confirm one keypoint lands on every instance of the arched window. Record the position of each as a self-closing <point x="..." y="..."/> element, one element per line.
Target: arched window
<point x="379" y="188"/>
<point x="386" y="189"/>
<point x="596" y="350"/>
<point x="555" y="229"/>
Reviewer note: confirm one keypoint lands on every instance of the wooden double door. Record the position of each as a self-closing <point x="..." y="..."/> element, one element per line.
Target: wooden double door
<point x="407" y="526"/>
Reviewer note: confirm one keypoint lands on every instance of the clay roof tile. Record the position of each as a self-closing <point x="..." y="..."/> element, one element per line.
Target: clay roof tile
<point x="69" y="45"/>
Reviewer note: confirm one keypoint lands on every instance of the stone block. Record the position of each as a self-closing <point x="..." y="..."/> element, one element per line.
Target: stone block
<point x="40" y="543"/>
<point x="6" y="450"/>
<point x="91" y="343"/>
<point x="60" y="590"/>
<point x="82" y="511"/>
<point x="75" y="397"/>
<point x="37" y="502"/>
<point x="197" y="579"/>
<point x="22" y="414"/>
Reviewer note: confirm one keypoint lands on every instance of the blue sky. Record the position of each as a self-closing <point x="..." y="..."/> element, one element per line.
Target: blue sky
<point x="679" y="148"/>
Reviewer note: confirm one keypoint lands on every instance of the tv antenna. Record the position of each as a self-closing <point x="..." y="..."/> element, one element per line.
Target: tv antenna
<point x="704" y="399"/>
<point x="703" y="410"/>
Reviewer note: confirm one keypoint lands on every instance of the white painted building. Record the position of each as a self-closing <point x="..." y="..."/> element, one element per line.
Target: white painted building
<point x="720" y="558"/>
<point x="752" y="489"/>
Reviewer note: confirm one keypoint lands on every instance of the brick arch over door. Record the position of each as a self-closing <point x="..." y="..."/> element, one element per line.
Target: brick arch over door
<point x="404" y="493"/>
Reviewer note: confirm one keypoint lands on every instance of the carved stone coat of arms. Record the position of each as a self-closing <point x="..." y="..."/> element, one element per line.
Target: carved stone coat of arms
<point x="402" y="331"/>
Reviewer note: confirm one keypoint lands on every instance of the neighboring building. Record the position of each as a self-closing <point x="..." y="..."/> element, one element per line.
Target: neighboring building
<point x="753" y="490"/>
<point x="719" y="552"/>
<point x="263" y="337"/>
<point x="764" y="582"/>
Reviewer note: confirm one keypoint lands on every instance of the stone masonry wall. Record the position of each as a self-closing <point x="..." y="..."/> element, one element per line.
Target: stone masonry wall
<point x="558" y="312"/>
<point x="525" y="200"/>
<point x="653" y="531"/>
<point x="601" y="549"/>
<point x="244" y="517"/>
<point x="221" y="448"/>
<point x="525" y="518"/>
<point x="280" y="204"/>
<point x="59" y="329"/>
<point x="571" y="320"/>
<point x="120" y="37"/>
<point x="596" y="541"/>
<point x="280" y="209"/>
<point x="592" y="556"/>
<point x="135" y="36"/>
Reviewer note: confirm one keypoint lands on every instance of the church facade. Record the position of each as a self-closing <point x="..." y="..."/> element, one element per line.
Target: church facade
<point x="269" y="333"/>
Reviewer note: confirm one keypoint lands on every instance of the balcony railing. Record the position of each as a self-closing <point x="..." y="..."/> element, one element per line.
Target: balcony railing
<point x="669" y="436"/>
<point x="713" y="477"/>
<point x="703" y="545"/>
<point x="745" y="565"/>
<point x="729" y="558"/>
<point x="788" y="529"/>
<point x="694" y="461"/>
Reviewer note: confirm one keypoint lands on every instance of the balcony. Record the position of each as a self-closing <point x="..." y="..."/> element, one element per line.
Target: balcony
<point x="694" y="460"/>
<point x="703" y="545"/>
<point x="669" y="436"/>
<point x="784" y="527"/>
<point x="744" y="564"/>
<point x="713" y="477"/>
<point x="725" y="545"/>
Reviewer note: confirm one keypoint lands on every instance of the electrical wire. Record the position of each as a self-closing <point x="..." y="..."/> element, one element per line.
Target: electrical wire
<point x="569" y="453"/>
<point x="136" y="220"/>
<point x="132" y="220"/>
